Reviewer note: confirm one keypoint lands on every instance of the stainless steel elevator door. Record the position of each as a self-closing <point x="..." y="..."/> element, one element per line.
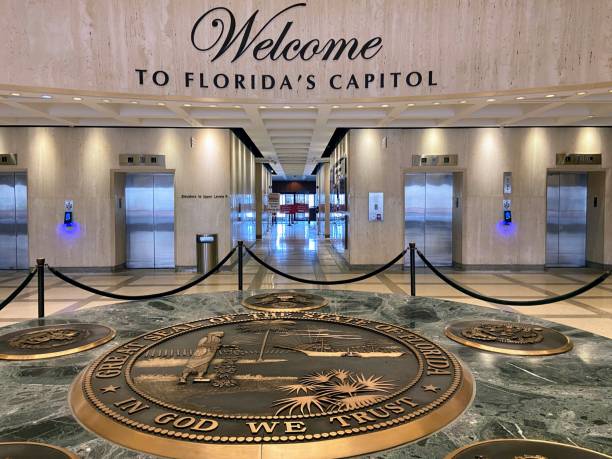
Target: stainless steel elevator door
<point x="566" y="209"/>
<point x="428" y="215"/>
<point x="13" y="221"/>
<point x="149" y="216"/>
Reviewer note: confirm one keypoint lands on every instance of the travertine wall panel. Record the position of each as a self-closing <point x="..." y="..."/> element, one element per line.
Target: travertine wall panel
<point x="79" y="163"/>
<point x="470" y="46"/>
<point x="484" y="155"/>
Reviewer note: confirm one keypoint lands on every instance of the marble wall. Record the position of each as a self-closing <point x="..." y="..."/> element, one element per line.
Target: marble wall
<point x="323" y="183"/>
<point x="242" y="198"/>
<point x="263" y="186"/>
<point x="484" y="154"/>
<point x="95" y="47"/>
<point x="82" y="164"/>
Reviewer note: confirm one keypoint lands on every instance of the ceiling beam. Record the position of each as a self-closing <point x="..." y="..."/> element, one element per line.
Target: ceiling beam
<point x="392" y="115"/>
<point x="108" y="112"/>
<point x="531" y="113"/>
<point x="34" y="111"/>
<point x="183" y="114"/>
<point x="463" y="113"/>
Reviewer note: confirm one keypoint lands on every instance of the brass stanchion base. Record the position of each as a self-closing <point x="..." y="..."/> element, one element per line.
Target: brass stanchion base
<point x="508" y="337"/>
<point x="53" y="341"/>
<point x="272" y="385"/>
<point x="523" y="449"/>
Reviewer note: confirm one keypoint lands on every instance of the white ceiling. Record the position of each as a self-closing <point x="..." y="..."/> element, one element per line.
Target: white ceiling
<point x="293" y="137"/>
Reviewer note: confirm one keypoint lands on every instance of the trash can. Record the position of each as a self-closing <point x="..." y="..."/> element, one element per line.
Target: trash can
<point x="207" y="252"/>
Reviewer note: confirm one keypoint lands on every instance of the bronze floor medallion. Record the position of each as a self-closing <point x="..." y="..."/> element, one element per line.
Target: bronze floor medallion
<point x="29" y="450"/>
<point x="509" y="337"/>
<point x="53" y="341"/>
<point x="523" y="449"/>
<point x="284" y="302"/>
<point x="298" y="384"/>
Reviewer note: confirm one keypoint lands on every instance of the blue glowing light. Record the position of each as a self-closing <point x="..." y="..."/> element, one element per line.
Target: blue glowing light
<point x="68" y="232"/>
<point x="506" y="229"/>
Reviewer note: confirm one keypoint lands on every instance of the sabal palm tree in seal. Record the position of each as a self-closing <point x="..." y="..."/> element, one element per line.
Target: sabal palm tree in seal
<point x="265" y="327"/>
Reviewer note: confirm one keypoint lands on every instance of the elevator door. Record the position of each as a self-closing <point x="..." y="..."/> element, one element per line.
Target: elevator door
<point x="566" y="212"/>
<point x="13" y="220"/>
<point x="149" y="216"/>
<point x="428" y="214"/>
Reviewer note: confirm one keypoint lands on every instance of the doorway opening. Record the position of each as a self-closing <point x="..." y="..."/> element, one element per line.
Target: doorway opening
<point x="14" y="220"/>
<point x="149" y="220"/>
<point x="432" y="215"/>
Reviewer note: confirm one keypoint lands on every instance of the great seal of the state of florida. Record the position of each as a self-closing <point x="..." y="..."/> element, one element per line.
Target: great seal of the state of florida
<point x="272" y="384"/>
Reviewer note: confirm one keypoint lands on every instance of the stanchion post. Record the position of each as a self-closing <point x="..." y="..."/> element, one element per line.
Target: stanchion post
<point x="412" y="246"/>
<point x="40" y="268"/>
<point x="240" y="255"/>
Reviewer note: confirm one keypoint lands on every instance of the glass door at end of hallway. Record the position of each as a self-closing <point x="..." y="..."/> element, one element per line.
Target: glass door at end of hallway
<point x="149" y="217"/>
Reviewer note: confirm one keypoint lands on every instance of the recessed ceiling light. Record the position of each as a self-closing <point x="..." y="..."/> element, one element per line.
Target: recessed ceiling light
<point x="312" y="107"/>
<point x="359" y="106"/>
<point x="463" y="102"/>
<point x="236" y="106"/>
<point x="262" y="107"/>
<point x="548" y="96"/>
<point x="520" y="98"/>
<point x="436" y="103"/>
<point x="77" y="98"/>
<point x="161" y="104"/>
<point x="186" y="105"/>
<point x="15" y="94"/>
<point x="286" y="106"/>
<point x="134" y="102"/>
<point x="336" y="106"/>
<point x="106" y="101"/>
<point x="591" y="116"/>
<point x="411" y="105"/>
<point x="384" y="105"/>
<point x="581" y="93"/>
<point x="212" y="106"/>
<point x="46" y="96"/>
<point x="490" y="100"/>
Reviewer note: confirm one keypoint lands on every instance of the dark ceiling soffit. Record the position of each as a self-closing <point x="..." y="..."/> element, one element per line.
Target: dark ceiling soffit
<point x="270" y="169"/>
<point x="316" y="169"/>
<point x="336" y="137"/>
<point x="245" y="139"/>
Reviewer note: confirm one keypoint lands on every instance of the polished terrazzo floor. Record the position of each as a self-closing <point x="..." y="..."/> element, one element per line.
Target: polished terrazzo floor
<point x="563" y="398"/>
<point x="299" y="251"/>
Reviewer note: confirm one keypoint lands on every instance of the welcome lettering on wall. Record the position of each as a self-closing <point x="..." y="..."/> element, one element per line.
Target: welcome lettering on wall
<point x="234" y="41"/>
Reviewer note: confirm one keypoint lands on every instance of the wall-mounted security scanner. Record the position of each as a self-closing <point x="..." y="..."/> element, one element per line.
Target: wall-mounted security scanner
<point x="68" y="207"/>
<point x="507" y="217"/>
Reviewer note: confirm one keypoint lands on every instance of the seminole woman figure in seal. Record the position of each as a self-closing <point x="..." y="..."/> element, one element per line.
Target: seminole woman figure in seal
<point x="200" y="360"/>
